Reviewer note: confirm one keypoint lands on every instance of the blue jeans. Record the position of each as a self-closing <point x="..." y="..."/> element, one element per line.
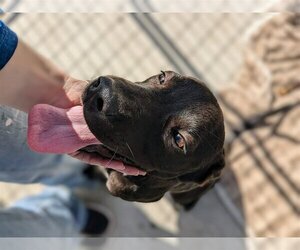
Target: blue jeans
<point x="55" y="212"/>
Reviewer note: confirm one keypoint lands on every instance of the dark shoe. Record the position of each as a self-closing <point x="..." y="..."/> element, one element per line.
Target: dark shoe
<point x="98" y="222"/>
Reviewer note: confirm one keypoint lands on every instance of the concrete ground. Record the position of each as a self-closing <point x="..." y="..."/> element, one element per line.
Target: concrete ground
<point x="161" y="219"/>
<point x="136" y="46"/>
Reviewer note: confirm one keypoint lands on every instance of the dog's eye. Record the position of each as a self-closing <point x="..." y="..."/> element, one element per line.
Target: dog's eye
<point x="180" y="142"/>
<point x="162" y="77"/>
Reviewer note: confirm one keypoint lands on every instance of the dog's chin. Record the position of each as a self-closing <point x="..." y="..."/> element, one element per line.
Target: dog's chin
<point x="127" y="189"/>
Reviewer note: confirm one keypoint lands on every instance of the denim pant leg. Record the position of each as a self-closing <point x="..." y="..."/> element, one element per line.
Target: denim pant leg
<point x="53" y="213"/>
<point x="19" y="164"/>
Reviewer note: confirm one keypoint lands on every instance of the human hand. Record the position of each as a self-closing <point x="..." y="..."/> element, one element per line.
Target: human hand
<point x="70" y="93"/>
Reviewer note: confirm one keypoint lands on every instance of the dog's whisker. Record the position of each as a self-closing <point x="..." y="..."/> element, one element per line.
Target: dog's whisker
<point x="115" y="152"/>
<point x="130" y="150"/>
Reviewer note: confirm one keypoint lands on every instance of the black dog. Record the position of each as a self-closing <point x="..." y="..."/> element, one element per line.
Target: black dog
<point x="170" y="125"/>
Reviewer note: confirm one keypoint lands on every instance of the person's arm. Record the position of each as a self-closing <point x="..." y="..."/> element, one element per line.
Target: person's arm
<point x="27" y="78"/>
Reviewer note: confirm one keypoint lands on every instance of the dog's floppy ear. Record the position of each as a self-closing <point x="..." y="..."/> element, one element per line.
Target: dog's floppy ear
<point x="202" y="181"/>
<point x="213" y="174"/>
<point x="210" y="175"/>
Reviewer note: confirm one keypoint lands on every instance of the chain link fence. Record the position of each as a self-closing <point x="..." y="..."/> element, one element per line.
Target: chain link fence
<point x="136" y="46"/>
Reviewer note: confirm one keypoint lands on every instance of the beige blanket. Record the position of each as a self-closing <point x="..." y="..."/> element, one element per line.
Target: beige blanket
<point x="262" y="114"/>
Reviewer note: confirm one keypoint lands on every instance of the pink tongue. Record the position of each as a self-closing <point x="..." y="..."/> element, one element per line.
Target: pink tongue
<point x="59" y="131"/>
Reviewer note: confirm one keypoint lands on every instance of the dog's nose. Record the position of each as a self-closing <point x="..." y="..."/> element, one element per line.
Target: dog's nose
<point x="101" y="83"/>
<point x="101" y="92"/>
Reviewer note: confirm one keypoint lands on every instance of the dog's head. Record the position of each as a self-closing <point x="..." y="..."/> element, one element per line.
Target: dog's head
<point x="169" y="125"/>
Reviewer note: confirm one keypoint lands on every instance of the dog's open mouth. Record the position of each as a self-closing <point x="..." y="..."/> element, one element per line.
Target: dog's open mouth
<point x="109" y="154"/>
